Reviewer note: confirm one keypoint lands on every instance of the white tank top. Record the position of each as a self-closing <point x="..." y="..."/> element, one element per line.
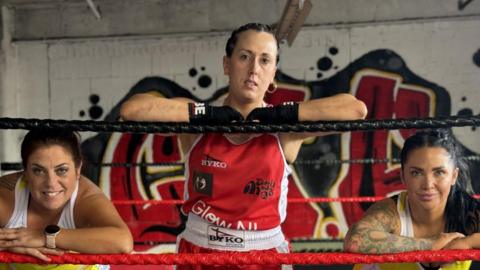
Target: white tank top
<point x="406" y="229"/>
<point x="19" y="219"/>
<point x="406" y="225"/>
<point x="22" y="195"/>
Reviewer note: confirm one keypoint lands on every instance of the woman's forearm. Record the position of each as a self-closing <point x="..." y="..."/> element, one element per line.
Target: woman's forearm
<point x="95" y="240"/>
<point x="367" y="240"/>
<point x="338" y="107"/>
<point x="147" y="107"/>
<point x="473" y="240"/>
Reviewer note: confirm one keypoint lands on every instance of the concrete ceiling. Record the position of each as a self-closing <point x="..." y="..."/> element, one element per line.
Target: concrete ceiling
<point x="30" y="2"/>
<point x="54" y="19"/>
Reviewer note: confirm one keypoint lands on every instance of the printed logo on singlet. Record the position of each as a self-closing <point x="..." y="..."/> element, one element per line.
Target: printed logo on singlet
<point x="213" y="162"/>
<point x="260" y="187"/>
<point x="203" y="182"/>
<point x="205" y="211"/>
<point x="217" y="237"/>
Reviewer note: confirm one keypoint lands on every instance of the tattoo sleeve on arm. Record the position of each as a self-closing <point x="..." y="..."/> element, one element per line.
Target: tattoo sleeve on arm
<point x="376" y="232"/>
<point x="376" y="241"/>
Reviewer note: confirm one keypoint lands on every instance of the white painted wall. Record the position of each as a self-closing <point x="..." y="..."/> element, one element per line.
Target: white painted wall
<point x="68" y="70"/>
<point x="53" y="79"/>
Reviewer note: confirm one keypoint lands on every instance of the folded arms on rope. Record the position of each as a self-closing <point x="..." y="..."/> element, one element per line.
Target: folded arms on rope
<point x="377" y="232"/>
<point x="285" y="113"/>
<point x="201" y="113"/>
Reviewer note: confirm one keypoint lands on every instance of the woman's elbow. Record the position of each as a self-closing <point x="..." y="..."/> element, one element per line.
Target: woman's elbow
<point x="125" y="243"/>
<point x="135" y="106"/>
<point x="355" y="108"/>
<point x="350" y="243"/>
<point x="348" y="246"/>
<point x="127" y="248"/>
<point x="127" y="110"/>
<point x="358" y="108"/>
<point x="361" y="109"/>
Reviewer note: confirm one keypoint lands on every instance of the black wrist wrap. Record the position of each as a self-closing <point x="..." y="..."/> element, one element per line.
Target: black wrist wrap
<point x="198" y="113"/>
<point x="287" y="112"/>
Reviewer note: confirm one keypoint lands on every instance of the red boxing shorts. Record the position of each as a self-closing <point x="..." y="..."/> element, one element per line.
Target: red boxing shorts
<point x="184" y="246"/>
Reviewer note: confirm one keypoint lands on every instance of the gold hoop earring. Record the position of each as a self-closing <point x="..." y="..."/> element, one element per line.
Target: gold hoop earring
<point x="272" y="88"/>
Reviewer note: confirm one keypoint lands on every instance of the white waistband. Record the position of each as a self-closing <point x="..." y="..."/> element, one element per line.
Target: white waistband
<point x="204" y="234"/>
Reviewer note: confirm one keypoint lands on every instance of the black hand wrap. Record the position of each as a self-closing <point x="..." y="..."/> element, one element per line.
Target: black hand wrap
<point x="200" y="113"/>
<point x="286" y="113"/>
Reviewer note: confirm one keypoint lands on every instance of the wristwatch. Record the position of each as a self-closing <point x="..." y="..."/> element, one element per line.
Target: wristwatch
<point x="51" y="232"/>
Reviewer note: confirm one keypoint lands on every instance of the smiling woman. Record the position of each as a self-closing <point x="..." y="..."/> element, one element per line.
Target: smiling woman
<point x="49" y="208"/>
<point x="435" y="212"/>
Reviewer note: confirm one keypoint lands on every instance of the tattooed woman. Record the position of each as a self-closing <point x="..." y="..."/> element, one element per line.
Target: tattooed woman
<point x="435" y="212"/>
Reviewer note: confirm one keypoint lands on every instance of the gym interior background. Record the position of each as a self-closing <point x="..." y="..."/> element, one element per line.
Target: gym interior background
<point x="76" y="59"/>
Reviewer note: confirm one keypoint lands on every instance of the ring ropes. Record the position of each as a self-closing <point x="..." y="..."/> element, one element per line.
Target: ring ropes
<point x="244" y="127"/>
<point x="17" y="166"/>
<point x="256" y="258"/>
<point x="251" y="257"/>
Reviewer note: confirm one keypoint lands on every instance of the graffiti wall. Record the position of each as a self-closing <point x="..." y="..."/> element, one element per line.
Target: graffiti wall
<point x="427" y="69"/>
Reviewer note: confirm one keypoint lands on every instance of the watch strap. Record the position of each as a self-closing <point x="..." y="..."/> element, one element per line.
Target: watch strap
<point x="51" y="232"/>
<point x="50" y="240"/>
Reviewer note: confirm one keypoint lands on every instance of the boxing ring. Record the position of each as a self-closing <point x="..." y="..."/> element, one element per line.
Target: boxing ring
<point x="247" y="258"/>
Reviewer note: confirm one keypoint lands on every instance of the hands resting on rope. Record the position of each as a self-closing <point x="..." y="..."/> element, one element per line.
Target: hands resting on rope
<point x="200" y="113"/>
<point x="453" y="240"/>
<point x="149" y="107"/>
<point x="413" y="220"/>
<point x="26" y="241"/>
<point x="50" y="205"/>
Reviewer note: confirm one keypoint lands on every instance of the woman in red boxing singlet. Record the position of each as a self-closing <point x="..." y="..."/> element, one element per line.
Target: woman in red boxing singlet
<point x="236" y="184"/>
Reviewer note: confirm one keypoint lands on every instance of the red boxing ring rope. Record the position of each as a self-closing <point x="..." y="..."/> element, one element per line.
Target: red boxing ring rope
<point x="247" y="258"/>
<point x="238" y="258"/>
<point x="290" y="200"/>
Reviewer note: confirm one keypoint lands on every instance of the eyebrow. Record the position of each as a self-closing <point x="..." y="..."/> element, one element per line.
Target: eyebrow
<point x="56" y="167"/>
<point x="434" y="169"/>
<point x="250" y="52"/>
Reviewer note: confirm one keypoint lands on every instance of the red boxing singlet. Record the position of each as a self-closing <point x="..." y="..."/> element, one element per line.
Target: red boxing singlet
<point x="237" y="186"/>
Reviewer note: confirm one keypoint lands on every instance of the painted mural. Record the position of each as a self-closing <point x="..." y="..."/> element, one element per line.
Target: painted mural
<point x="380" y="78"/>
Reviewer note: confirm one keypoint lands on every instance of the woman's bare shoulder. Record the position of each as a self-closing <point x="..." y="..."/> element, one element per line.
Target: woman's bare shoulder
<point x="383" y="214"/>
<point x="8" y="182"/>
<point x="7" y="196"/>
<point x="87" y="187"/>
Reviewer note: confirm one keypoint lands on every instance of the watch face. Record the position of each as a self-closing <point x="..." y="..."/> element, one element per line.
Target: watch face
<point x="52" y="229"/>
